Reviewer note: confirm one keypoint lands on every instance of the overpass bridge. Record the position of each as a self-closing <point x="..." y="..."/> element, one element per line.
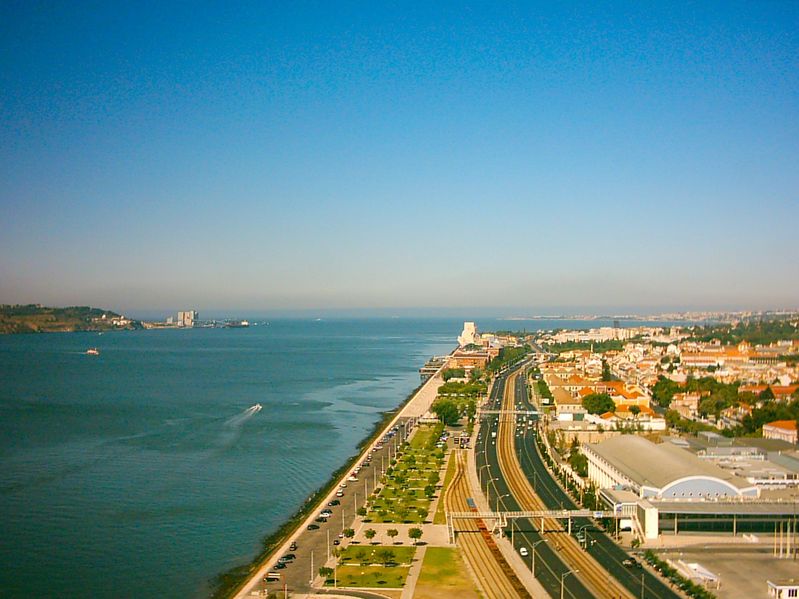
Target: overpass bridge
<point x="488" y="412"/>
<point x="500" y="518"/>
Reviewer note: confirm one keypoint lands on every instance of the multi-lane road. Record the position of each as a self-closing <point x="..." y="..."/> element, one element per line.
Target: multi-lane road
<point x="514" y="473"/>
<point x="550" y="570"/>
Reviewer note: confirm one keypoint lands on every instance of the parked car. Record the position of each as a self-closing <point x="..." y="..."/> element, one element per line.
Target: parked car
<point x="313" y="527"/>
<point x="523" y="551"/>
<point x="334" y="502"/>
<point x="293" y="546"/>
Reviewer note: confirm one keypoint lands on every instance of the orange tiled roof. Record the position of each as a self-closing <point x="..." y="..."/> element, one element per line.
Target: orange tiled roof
<point x="788" y="425"/>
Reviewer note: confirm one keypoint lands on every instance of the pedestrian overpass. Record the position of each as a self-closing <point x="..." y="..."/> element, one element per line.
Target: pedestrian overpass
<point x="500" y="518"/>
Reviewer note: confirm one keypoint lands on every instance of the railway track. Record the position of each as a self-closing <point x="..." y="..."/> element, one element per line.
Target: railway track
<point x="593" y="575"/>
<point x="494" y="576"/>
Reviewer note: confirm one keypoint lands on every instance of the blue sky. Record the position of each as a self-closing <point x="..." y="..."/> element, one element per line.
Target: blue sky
<point x="524" y="157"/>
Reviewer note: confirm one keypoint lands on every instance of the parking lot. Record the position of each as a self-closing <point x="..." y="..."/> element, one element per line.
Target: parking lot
<point x="743" y="570"/>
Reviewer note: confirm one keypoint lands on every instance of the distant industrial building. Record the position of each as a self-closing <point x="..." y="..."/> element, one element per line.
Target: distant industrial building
<point x="660" y="471"/>
<point x="666" y="488"/>
<point x="187" y="318"/>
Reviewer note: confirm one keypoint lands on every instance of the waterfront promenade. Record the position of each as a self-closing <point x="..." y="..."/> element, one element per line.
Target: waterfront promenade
<point x="313" y="546"/>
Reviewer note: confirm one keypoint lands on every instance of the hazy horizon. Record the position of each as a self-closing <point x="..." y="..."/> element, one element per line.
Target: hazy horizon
<point x="508" y="314"/>
<point x="372" y="158"/>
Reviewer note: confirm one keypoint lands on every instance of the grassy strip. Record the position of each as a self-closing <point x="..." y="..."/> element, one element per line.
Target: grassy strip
<point x="368" y="556"/>
<point x="371" y="577"/>
<point x="228" y="583"/>
<point x="444" y="575"/>
<point x="440" y="517"/>
<point x="421" y="438"/>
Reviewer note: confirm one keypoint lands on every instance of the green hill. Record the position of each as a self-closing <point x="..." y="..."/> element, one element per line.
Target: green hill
<point x="34" y="318"/>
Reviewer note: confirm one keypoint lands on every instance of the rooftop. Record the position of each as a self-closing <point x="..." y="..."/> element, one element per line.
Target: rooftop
<point x="658" y="465"/>
<point x="788" y="425"/>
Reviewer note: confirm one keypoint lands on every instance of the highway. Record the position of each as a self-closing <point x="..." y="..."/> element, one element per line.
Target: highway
<point x="550" y="569"/>
<point x="590" y="571"/>
<point x="496" y="578"/>
<point x="638" y="581"/>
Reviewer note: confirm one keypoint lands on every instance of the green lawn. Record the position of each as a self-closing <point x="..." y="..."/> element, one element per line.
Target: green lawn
<point x="363" y="555"/>
<point x="422" y="437"/>
<point x="370" y="577"/>
<point x="444" y="575"/>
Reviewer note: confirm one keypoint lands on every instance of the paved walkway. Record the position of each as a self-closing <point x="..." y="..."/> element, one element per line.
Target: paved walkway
<point x="413" y="575"/>
<point x="432" y="534"/>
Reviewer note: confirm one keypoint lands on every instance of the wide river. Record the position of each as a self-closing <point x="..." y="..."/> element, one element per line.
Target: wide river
<point x="141" y="472"/>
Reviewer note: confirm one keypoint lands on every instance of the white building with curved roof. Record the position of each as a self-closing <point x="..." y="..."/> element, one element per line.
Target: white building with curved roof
<point x="661" y="471"/>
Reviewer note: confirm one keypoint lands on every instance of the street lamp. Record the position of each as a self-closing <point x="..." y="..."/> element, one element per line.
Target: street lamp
<point x="480" y="472"/>
<point x="563" y="577"/>
<point x="503" y="503"/>
<point x="490" y="480"/>
<point x="532" y="561"/>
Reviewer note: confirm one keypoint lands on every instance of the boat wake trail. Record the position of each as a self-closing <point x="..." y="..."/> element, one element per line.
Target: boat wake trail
<point x="241" y="418"/>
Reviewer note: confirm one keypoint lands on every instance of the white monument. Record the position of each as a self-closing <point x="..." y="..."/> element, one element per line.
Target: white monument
<point x="469" y="334"/>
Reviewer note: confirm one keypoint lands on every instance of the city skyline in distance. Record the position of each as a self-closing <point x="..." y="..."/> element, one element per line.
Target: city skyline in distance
<point x="374" y="160"/>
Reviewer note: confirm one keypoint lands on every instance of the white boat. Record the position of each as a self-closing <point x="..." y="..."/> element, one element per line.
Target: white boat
<point x="93" y="351"/>
<point x="257" y="407"/>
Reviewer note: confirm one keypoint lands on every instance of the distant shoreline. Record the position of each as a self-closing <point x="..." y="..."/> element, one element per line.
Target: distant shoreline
<point x="35" y="318"/>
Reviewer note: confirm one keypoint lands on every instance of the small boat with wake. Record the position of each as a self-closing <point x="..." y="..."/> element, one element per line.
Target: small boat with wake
<point x="92" y="351"/>
<point x="256" y="408"/>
